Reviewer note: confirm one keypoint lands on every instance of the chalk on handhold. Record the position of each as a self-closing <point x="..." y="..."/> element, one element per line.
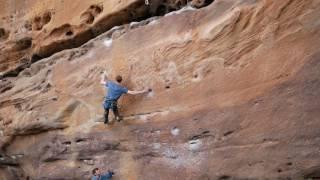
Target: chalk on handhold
<point x="103" y="72"/>
<point x="175" y="131"/>
<point x="150" y="93"/>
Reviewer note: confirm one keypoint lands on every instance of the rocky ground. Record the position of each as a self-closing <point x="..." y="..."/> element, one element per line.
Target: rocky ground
<point x="235" y="89"/>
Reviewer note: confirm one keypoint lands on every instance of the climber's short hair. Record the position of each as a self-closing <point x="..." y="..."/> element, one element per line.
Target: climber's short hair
<point x="118" y="78"/>
<point x="94" y="171"/>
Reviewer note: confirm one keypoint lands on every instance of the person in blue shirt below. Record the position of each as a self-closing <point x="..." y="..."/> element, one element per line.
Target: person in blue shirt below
<point x="98" y="176"/>
<point x="115" y="90"/>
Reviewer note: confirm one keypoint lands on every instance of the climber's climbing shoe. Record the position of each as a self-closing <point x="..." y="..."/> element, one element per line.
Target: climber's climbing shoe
<point x="118" y="118"/>
<point x="105" y="122"/>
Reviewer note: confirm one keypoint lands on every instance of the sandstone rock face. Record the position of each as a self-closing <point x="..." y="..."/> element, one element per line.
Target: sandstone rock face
<point x="235" y="89"/>
<point x="31" y="30"/>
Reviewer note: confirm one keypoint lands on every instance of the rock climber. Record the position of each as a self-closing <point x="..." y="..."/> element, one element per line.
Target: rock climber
<point x="115" y="90"/>
<point x="98" y="176"/>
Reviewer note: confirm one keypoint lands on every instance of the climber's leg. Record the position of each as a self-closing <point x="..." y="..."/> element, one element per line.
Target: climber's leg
<point x="106" y="114"/>
<point x="116" y="111"/>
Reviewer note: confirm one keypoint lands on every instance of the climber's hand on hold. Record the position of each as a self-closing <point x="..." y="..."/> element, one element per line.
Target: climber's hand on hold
<point x="146" y="90"/>
<point x="104" y="78"/>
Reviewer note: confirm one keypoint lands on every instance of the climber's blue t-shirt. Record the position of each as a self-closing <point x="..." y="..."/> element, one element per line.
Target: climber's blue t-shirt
<point x="115" y="90"/>
<point x="107" y="176"/>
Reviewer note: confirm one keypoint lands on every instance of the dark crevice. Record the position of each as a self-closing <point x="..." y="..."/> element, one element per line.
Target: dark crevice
<point x="15" y="72"/>
<point x="39" y="21"/>
<point x="161" y="10"/>
<point x="3" y="34"/>
<point x="80" y="140"/>
<point x="111" y="146"/>
<point x="23" y="43"/>
<point x="35" y="58"/>
<point x="201" y="3"/>
<point x="224" y="177"/>
<point x="204" y="134"/>
<point x="67" y="143"/>
<point x="8" y="161"/>
<point x="147" y="154"/>
<point x="207" y="2"/>
<point x="6" y="88"/>
<point x="312" y="173"/>
<point x="76" y="41"/>
<point x="228" y="133"/>
<point x="46" y="17"/>
<point x="69" y="33"/>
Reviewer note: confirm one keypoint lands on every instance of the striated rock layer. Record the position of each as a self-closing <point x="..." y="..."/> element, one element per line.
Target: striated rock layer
<point x="236" y="91"/>
<point x="32" y="30"/>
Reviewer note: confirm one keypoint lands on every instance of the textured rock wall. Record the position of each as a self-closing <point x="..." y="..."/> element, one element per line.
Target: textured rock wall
<point x="235" y="90"/>
<point x="32" y="30"/>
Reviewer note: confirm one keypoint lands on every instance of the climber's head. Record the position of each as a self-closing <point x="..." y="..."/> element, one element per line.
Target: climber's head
<point x="118" y="78"/>
<point x="96" y="171"/>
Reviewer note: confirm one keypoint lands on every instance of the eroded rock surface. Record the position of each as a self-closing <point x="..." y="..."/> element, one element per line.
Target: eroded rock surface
<point x="235" y="89"/>
<point x="33" y="30"/>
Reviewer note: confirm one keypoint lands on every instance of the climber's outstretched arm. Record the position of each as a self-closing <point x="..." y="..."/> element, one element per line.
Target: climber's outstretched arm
<point x="137" y="92"/>
<point x="104" y="78"/>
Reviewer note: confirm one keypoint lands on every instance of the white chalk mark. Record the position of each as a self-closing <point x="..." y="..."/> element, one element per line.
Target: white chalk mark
<point x="186" y="8"/>
<point x="195" y="145"/>
<point x="153" y="22"/>
<point x="133" y="23"/>
<point x="156" y="145"/>
<point x="175" y="131"/>
<point x="107" y="42"/>
<point x="150" y="94"/>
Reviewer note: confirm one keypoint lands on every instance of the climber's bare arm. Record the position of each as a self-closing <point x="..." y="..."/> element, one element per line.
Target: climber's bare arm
<point x="137" y="92"/>
<point x="104" y="78"/>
